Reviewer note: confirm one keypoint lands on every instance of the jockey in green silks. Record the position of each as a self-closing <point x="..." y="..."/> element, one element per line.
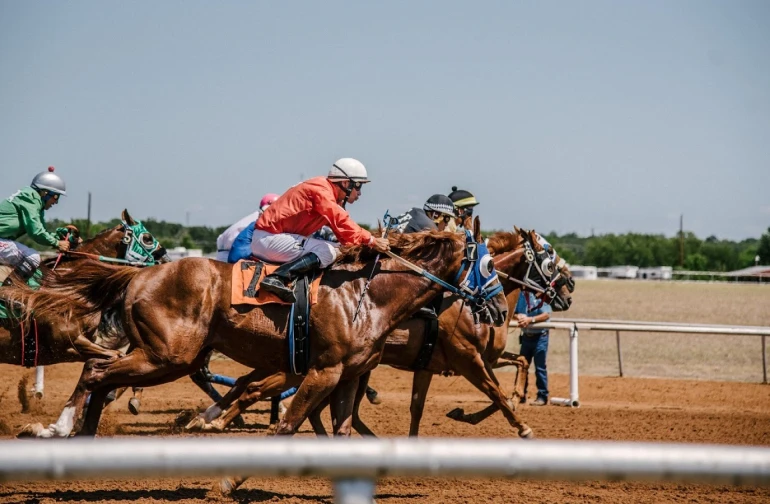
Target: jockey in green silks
<point x="24" y="213"/>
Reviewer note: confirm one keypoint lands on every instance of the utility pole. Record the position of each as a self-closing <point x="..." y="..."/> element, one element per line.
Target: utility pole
<point x="88" y="217"/>
<point x="681" y="240"/>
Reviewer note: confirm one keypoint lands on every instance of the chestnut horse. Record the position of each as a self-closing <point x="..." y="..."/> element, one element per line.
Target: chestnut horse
<point x="63" y="339"/>
<point x="175" y="313"/>
<point x="463" y="347"/>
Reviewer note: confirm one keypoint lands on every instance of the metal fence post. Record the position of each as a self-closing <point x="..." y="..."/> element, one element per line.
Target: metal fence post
<point x="353" y="491"/>
<point x="620" y="355"/>
<point x="764" y="360"/>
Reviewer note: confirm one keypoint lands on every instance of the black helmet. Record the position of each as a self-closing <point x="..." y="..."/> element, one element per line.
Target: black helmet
<point x="462" y="198"/>
<point x="439" y="203"/>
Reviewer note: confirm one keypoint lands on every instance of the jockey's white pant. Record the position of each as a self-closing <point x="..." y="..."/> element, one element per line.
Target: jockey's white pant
<point x="222" y="255"/>
<point x="13" y="253"/>
<point x="284" y="247"/>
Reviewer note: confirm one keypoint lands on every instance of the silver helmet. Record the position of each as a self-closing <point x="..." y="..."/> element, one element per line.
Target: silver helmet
<point x="49" y="181"/>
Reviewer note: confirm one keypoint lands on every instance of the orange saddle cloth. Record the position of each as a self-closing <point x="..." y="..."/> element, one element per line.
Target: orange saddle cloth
<point x="243" y="279"/>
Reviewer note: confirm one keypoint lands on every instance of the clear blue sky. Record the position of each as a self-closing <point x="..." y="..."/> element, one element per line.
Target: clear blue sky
<point x="565" y="116"/>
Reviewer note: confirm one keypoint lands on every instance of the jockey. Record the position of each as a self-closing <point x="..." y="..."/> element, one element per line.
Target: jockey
<point x="226" y="240"/>
<point x="282" y="233"/>
<point x="24" y="213"/>
<point x="436" y="213"/>
<point x="464" y="202"/>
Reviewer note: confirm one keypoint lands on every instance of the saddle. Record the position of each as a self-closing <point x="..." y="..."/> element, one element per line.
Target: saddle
<point x="246" y="276"/>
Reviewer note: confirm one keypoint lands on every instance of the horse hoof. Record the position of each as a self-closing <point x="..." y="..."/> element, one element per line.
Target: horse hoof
<point x="239" y="422"/>
<point x="527" y="434"/>
<point x="226" y="487"/>
<point x="133" y="405"/>
<point x="197" y="424"/>
<point x="38" y="394"/>
<point x="30" y="430"/>
<point x="457" y="414"/>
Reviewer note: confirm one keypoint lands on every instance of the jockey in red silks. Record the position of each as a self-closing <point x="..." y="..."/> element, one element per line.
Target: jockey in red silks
<point x="282" y="232"/>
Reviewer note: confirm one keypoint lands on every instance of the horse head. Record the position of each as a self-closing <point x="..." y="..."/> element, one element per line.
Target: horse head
<point x="530" y="263"/>
<point x="461" y="264"/>
<point x="128" y="240"/>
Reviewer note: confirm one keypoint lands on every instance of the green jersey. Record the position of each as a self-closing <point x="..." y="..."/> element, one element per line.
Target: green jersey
<point x="23" y="213"/>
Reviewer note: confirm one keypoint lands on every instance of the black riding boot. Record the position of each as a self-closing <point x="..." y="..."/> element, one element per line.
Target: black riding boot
<point x="23" y="272"/>
<point x="278" y="282"/>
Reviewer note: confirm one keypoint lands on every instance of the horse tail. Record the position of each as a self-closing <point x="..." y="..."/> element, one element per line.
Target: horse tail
<point x="80" y="293"/>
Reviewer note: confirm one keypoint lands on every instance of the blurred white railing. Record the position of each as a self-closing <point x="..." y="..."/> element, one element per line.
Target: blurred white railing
<point x="355" y="464"/>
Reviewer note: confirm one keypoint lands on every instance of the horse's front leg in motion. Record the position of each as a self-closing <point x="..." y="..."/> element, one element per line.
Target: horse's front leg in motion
<point x="203" y="422"/>
<point x="358" y="424"/>
<point x="520" y="363"/>
<point x="480" y="374"/>
<point x="420" y="385"/>
<point x="72" y="413"/>
<point x="316" y="386"/>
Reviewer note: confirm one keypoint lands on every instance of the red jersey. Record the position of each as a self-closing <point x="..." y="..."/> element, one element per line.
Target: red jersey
<point x="306" y="208"/>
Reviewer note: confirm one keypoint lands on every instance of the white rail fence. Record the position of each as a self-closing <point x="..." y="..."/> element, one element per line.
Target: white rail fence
<point x="574" y="326"/>
<point x="355" y="464"/>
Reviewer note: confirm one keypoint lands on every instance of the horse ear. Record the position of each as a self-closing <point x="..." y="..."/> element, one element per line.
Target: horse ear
<point x="477" y="229"/>
<point x="127" y="218"/>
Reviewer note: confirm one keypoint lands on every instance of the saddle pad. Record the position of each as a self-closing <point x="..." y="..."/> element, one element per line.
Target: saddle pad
<point x="242" y="278"/>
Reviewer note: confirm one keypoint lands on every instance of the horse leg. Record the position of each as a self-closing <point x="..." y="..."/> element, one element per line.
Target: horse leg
<point x="203" y="421"/>
<point x="361" y="392"/>
<point x="518" y="392"/>
<point x="316" y="386"/>
<point x="342" y="401"/>
<point x="135" y="402"/>
<point x="315" y="419"/>
<point x="480" y="374"/>
<point x="270" y="386"/>
<point x="420" y="385"/>
<point x="37" y="389"/>
<point x="71" y="414"/>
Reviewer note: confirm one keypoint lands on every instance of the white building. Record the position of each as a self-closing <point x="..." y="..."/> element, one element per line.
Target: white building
<point x="618" y="272"/>
<point x="656" y="273"/>
<point x="584" y="272"/>
<point x="177" y="253"/>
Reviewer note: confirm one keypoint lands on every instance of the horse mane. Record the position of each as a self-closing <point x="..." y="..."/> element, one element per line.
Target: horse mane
<point x="430" y="248"/>
<point x="503" y="240"/>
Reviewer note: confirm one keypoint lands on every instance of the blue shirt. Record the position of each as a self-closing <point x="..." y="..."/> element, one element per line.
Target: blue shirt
<point x="521" y="307"/>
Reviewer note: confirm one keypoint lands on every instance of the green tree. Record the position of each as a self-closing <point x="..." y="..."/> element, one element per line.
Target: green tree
<point x="763" y="250"/>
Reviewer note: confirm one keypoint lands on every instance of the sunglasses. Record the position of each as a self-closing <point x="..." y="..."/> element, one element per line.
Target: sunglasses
<point x="354" y="184"/>
<point x="437" y="216"/>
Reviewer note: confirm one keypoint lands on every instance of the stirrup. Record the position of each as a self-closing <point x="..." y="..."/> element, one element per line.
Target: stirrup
<point x="277" y="287"/>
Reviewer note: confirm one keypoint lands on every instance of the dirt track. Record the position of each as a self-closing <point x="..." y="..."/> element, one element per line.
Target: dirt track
<point x="612" y="409"/>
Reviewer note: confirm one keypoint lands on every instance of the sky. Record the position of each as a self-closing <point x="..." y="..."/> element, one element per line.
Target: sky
<point x="596" y="116"/>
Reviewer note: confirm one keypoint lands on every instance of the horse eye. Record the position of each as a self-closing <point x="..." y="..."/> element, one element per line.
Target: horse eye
<point x="486" y="266"/>
<point x="147" y="239"/>
<point x="547" y="267"/>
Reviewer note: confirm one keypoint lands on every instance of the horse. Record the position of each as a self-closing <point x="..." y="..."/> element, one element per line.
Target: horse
<point x="462" y="347"/>
<point x="176" y="313"/>
<point x="62" y="339"/>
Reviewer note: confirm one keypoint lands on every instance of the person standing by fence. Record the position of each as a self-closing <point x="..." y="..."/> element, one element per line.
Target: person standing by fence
<point x="534" y="342"/>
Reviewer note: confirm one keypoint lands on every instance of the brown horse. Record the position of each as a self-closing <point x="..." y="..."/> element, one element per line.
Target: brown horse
<point x="463" y="347"/>
<point x="61" y="338"/>
<point x="175" y="313"/>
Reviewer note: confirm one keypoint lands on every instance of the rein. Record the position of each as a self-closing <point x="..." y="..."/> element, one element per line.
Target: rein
<point x="433" y="278"/>
<point x="110" y="259"/>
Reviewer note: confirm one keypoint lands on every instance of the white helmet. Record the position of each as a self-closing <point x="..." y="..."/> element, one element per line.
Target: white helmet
<point x="348" y="169"/>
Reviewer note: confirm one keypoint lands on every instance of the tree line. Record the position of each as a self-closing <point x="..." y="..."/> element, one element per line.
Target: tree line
<point x="643" y="250"/>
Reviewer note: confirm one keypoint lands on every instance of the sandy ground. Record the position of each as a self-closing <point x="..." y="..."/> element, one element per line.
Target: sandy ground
<point x="612" y="409"/>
